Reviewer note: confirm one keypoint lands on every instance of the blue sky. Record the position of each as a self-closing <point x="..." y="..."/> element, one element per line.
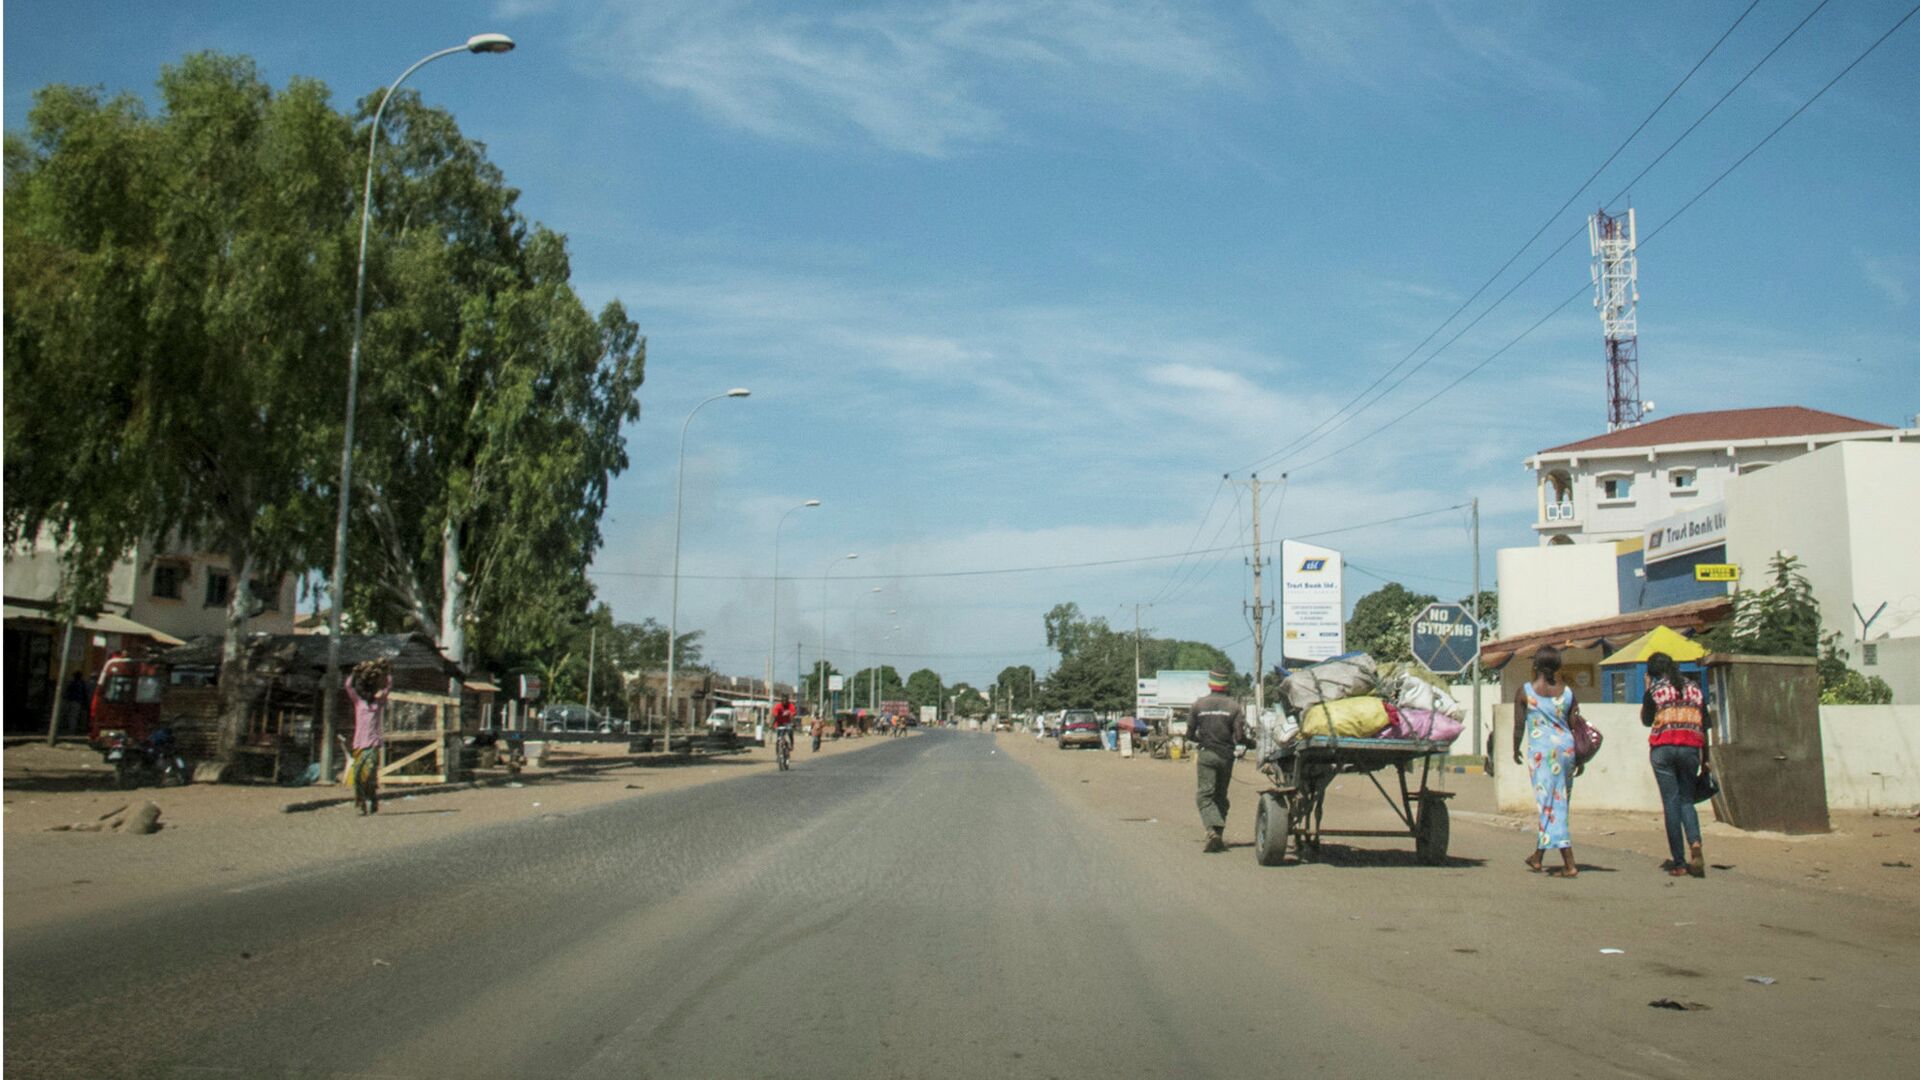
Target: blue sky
<point x="1013" y="284"/>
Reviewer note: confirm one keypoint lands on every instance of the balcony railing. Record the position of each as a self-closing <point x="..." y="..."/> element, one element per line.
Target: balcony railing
<point x="1560" y="514"/>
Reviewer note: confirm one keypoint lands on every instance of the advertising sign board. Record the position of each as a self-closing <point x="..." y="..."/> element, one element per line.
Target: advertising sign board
<point x="836" y="683"/>
<point x="1179" y="688"/>
<point x="1313" y="624"/>
<point x="1146" y="692"/>
<point x="1716" y="572"/>
<point x="1682" y="534"/>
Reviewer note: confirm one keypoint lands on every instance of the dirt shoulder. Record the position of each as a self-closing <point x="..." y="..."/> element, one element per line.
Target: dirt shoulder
<point x="1158" y="796"/>
<point x="242" y="834"/>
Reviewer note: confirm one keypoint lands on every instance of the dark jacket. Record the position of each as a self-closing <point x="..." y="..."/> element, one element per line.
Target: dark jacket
<point x="1216" y="723"/>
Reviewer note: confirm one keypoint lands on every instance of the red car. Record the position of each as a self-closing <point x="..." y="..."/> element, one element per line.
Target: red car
<point x="126" y="703"/>
<point x="1080" y="727"/>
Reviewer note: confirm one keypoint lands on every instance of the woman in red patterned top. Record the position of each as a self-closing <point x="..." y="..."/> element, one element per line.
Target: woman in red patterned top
<point x="1676" y="711"/>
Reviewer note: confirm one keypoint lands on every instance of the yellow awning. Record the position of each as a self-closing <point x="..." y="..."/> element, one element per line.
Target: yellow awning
<point x="1657" y="640"/>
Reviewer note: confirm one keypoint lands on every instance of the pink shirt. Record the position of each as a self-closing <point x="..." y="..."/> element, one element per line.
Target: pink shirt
<point x="366" y="717"/>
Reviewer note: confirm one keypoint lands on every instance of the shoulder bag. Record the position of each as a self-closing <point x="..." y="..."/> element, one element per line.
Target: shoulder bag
<point x="1586" y="740"/>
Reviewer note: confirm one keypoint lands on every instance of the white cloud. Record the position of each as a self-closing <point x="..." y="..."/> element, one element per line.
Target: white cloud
<point x="922" y="79"/>
<point x="1889" y="275"/>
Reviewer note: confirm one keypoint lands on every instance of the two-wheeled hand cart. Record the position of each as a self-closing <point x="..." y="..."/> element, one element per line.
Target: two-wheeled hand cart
<point x="1303" y="769"/>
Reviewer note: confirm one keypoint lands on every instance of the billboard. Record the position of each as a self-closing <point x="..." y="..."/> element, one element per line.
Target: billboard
<point x="1313" y="624"/>
<point x="1179" y="689"/>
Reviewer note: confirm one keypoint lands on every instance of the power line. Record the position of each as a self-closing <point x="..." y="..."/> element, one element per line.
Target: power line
<point x="1684" y="207"/>
<point x="1197" y="529"/>
<point x="1309" y="437"/>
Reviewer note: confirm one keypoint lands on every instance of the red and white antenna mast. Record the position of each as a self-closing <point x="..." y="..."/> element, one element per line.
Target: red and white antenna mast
<point x="1616" y="292"/>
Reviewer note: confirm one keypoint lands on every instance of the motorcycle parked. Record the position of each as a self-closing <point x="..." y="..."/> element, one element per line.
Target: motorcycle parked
<point x="153" y="760"/>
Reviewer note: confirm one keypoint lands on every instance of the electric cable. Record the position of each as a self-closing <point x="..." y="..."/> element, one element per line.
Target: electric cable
<point x="1511" y="259"/>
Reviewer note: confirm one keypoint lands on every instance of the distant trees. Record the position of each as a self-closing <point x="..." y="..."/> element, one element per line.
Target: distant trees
<point x="1097" y="662"/>
<point x="924" y="688"/>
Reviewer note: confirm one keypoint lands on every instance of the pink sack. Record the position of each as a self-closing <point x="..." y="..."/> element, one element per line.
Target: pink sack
<point x="1424" y="724"/>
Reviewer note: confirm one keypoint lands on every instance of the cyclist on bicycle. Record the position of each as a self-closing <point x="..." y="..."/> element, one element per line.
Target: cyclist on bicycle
<point x="783" y="720"/>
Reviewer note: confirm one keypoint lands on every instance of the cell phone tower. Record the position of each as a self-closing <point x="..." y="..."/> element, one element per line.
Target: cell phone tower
<point x="1616" y="292"/>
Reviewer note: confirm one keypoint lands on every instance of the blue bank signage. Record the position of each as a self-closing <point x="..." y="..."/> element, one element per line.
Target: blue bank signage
<point x="1445" y="638"/>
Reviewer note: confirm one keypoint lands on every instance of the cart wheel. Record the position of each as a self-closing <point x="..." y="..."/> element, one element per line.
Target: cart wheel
<point x="1271" y="825"/>
<point x="1430" y="847"/>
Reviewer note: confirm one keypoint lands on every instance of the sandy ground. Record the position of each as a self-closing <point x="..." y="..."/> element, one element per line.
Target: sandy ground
<point x="1852" y="859"/>
<point x="242" y="833"/>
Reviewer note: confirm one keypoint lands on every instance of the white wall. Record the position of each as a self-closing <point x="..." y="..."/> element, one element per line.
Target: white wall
<point x="1849" y="512"/>
<point x="1872" y="756"/>
<point x="1871" y="753"/>
<point x="1542" y="587"/>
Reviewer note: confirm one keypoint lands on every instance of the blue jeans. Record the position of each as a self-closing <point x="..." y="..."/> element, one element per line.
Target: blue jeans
<point x="1676" y="769"/>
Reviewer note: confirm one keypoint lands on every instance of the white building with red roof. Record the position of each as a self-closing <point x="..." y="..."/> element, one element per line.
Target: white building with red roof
<point x="1613" y="486"/>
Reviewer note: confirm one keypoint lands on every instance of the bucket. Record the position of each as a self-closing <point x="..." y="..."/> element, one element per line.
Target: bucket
<point x="1174" y="751"/>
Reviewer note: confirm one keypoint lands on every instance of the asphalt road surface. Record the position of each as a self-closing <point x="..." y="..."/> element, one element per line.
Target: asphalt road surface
<point x="934" y="907"/>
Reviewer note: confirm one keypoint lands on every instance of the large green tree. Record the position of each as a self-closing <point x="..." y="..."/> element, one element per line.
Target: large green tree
<point x="176" y="290"/>
<point x="1017" y="688"/>
<point x="924" y="688"/>
<point x="493" y="403"/>
<point x="1382" y="621"/>
<point x="861" y="685"/>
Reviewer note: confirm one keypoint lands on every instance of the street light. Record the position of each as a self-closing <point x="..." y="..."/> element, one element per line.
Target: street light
<point x="673" y="612"/>
<point x="330" y="693"/>
<point x="825" y="665"/>
<point x="873" y="670"/>
<point x="774" y="645"/>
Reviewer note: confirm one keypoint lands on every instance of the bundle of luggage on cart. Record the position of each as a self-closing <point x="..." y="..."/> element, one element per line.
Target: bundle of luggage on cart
<point x="1343" y="716"/>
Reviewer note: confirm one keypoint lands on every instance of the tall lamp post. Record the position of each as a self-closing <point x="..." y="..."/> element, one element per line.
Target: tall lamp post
<point x="330" y="692"/>
<point x="673" y="612"/>
<point x="774" y="645"/>
<point x="825" y="665"/>
<point x="873" y="670"/>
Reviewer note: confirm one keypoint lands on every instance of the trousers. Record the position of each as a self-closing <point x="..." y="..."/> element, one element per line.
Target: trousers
<point x="1214" y="771"/>
<point x="1676" y="769"/>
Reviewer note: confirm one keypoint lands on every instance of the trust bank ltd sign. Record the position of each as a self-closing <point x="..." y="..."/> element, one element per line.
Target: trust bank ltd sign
<point x="1683" y="534"/>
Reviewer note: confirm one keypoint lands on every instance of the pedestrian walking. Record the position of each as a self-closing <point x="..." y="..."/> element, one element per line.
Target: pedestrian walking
<point x="1218" y="729"/>
<point x="367" y="688"/>
<point x="75" y="702"/>
<point x="1545" y="709"/>
<point x="1675" y="709"/>
<point x="816" y="729"/>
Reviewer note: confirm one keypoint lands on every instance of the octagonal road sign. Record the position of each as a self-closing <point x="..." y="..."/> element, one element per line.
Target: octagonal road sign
<point x="1445" y="638"/>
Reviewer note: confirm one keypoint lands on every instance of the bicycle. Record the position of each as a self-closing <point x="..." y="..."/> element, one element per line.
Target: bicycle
<point x="783" y="748"/>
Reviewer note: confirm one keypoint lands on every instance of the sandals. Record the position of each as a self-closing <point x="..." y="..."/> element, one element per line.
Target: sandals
<point x="1696" y="862"/>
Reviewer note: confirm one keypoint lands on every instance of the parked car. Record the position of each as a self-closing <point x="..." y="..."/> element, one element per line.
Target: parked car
<point x="573" y="718"/>
<point x="1079" y="727"/>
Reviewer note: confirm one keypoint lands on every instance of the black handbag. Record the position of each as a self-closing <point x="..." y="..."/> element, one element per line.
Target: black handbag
<point x="1705" y="786"/>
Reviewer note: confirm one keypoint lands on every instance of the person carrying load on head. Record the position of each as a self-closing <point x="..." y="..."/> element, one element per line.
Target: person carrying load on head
<point x="1218" y="729"/>
<point x="367" y="688"/>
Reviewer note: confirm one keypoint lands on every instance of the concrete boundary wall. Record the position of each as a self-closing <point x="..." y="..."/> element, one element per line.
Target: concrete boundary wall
<point x="1871" y="752"/>
<point x="1872" y="755"/>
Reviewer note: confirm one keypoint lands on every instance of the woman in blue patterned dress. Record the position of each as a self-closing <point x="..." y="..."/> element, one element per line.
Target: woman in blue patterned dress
<point x="1545" y="709"/>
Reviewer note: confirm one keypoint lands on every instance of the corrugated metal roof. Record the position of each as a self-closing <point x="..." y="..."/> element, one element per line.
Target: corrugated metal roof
<point x="309" y="651"/>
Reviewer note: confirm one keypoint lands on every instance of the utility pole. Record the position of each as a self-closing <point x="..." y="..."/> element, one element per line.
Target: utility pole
<point x="1136" y="651"/>
<point x="1259" y="611"/>
<point x="593" y="640"/>
<point x="1478" y="744"/>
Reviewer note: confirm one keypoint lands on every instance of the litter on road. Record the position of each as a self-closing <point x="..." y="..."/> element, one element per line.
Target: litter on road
<point x="1613" y="952"/>
<point x="1763" y="980"/>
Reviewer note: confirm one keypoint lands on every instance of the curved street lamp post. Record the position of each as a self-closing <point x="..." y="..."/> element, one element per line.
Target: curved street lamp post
<point x="330" y="692"/>
<point x="673" y="613"/>
<point x="825" y="665"/>
<point x="773" y="645"/>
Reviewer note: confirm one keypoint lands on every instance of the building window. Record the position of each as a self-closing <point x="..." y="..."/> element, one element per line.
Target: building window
<point x="1869" y="654"/>
<point x="219" y="588"/>
<point x="1616" y="487"/>
<point x="265" y="596"/>
<point x="169" y="580"/>
<point x="1684" y="481"/>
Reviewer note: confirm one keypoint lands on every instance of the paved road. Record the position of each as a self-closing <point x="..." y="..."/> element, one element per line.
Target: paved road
<point x="928" y="907"/>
